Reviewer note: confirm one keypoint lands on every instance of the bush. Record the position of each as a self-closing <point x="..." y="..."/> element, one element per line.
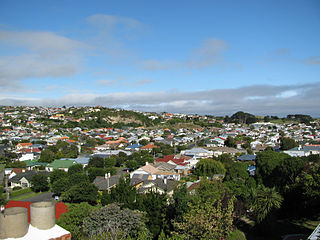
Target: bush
<point x="236" y="235"/>
<point x="20" y="192"/>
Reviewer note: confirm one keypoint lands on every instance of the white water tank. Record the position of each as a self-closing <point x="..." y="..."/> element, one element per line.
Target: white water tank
<point x="43" y="215"/>
<point x="14" y="222"/>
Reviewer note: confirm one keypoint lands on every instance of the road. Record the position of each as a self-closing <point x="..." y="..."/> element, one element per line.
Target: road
<point x="47" y="196"/>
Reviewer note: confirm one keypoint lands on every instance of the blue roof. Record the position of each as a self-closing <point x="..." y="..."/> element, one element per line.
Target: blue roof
<point x="133" y="146"/>
<point x="247" y="157"/>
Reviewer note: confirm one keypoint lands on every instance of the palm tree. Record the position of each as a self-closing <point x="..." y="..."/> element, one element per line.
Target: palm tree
<point x="265" y="200"/>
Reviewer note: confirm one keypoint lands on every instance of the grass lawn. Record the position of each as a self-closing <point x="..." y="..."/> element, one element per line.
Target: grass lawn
<point x="27" y="195"/>
<point x="278" y="229"/>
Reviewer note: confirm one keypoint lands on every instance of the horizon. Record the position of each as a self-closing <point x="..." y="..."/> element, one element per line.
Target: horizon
<point x="208" y="57"/>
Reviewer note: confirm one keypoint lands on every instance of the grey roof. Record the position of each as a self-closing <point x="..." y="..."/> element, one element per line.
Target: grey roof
<point x="196" y="151"/>
<point x="159" y="183"/>
<point x="141" y="176"/>
<point x="27" y="175"/>
<point x="102" y="184"/>
<point x="163" y="166"/>
<point x="305" y="148"/>
<point x="247" y="157"/>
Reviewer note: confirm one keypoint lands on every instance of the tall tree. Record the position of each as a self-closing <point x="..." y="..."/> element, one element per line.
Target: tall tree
<point x="39" y="183"/>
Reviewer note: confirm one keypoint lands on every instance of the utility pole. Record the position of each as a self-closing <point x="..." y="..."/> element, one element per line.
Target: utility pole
<point x="7" y="189"/>
<point x="108" y="182"/>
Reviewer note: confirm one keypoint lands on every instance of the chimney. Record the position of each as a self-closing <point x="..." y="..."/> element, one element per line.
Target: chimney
<point x="147" y="163"/>
<point x="165" y="181"/>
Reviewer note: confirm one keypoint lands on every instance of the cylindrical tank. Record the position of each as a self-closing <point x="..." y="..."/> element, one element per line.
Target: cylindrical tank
<point x="14" y="222"/>
<point x="43" y="215"/>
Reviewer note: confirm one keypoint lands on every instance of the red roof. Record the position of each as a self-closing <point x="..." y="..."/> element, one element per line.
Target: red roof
<point x="60" y="207"/>
<point x="178" y="161"/>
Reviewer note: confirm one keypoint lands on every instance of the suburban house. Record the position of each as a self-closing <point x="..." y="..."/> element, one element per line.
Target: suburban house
<point x="23" y="179"/>
<point x="103" y="183"/>
<point x="303" y="151"/>
<point x="23" y="145"/>
<point x="158" y="185"/>
<point x="60" y="164"/>
<point x="151" y="172"/>
<point x="133" y="147"/>
<point x="197" y="153"/>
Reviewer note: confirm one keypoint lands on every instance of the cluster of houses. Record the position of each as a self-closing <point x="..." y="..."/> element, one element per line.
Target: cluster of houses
<point x="24" y="132"/>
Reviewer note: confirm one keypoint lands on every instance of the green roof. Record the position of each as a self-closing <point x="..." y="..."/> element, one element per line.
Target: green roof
<point x="31" y="163"/>
<point x="56" y="164"/>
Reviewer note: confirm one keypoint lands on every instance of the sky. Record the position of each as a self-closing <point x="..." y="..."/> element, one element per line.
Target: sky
<point x="181" y="56"/>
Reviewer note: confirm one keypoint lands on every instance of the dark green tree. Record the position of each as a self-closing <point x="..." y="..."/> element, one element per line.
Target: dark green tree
<point x="39" y="183"/>
<point x="82" y="192"/>
<point x="72" y="220"/>
<point x="76" y="168"/>
<point x="47" y="155"/>
<point x="57" y="174"/>
<point x="288" y="143"/>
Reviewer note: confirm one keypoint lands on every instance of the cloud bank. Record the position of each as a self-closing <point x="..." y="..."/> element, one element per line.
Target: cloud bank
<point x="37" y="55"/>
<point x="256" y="99"/>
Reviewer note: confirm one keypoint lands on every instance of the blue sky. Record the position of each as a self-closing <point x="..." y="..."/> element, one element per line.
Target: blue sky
<point x="207" y="57"/>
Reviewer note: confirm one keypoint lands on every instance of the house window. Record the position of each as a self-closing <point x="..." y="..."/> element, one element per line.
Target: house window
<point x="24" y="185"/>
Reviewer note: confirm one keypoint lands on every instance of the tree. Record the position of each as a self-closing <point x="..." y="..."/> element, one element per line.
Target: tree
<point x="288" y="143"/>
<point x="209" y="220"/>
<point x="209" y="167"/>
<point x="113" y="223"/>
<point x="230" y="142"/>
<point x="82" y="192"/>
<point x="72" y="220"/>
<point x="57" y="174"/>
<point x="181" y="198"/>
<point x="264" y="201"/>
<point x="76" y="168"/>
<point x="267" y="162"/>
<point x="123" y="193"/>
<point x="94" y="172"/>
<point x="97" y="162"/>
<point x="237" y="170"/>
<point x="155" y="205"/>
<point x="39" y="183"/>
<point x="61" y="185"/>
<point x="47" y="156"/>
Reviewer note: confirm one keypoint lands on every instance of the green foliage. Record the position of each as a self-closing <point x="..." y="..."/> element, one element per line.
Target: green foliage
<point x="47" y="156"/>
<point x="72" y="220"/>
<point x="230" y="142"/>
<point x="237" y="170"/>
<point x="180" y="198"/>
<point x="236" y="235"/>
<point x="94" y="172"/>
<point x="97" y="162"/>
<point x="39" y="183"/>
<point x="76" y="168"/>
<point x="82" y="192"/>
<point x="208" y="220"/>
<point x="117" y="223"/>
<point x="60" y="185"/>
<point x="242" y="117"/>
<point x="57" y="174"/>
<point x="288" y="143"/>
<point x="266" y="163"/>
<point x="16" y="164"/>
<point x="209" y="167"/>
<point x="264" y="200"/>
<point x="155" y="205"/>
<point x="123" y="193"/>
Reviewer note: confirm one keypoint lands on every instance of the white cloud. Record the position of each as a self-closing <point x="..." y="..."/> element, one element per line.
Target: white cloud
<point x="40" y="54"/>
<point x="257" y="99"/>
<point x="210" y="52"/>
